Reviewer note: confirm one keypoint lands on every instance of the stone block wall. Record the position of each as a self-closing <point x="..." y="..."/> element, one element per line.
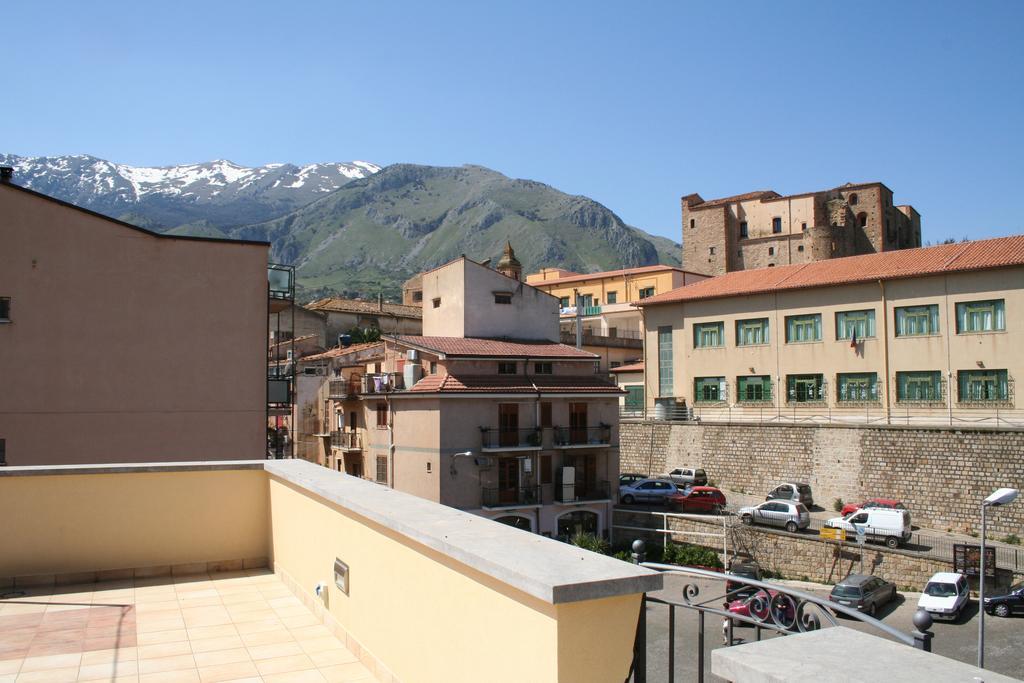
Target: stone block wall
<point x="942" y="475"/>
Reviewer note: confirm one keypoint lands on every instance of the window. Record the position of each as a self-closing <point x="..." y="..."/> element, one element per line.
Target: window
<point x="502" y="298"/>
<point x="612" y="297"/>
<point x="597" y="367"/>
<point x="646" y="292"/>
<point x="803" y="227"/>
<point x="754" y="389"/>
<point x="634" y="397"/>
<point x="708" y="335"/>
<point x="974" y="316"/>
<point x="382" y="469"/>
<point x="708" y="389"/>
<point x="545" y="414"/>
<point x="981" y="386"/>
<point x="918" y="386"/>
<point x="752" y="332"/>
<point x="545" y="469"/>
<point x="853" y="199"/>
<point x="862" y="219"/>
<point x="382" y="414"/>
<point x="855" y="323"/>
<point x="803" y="328"/>
<point x="771" y="251"/>
<point x="693" y="224"/>
<point x="564" y="302"/>
<point x="743" y="229"/>
<point x="776" y="225"/>
<point x="613" y="364"/>
<point x="433" y="367"/>
<point x="437" y="302"/>
<point x="506" y="368"/>
<point x="665" y="361"/>
<point x="352" y="422"/>
<point x="542" y="368"/>
<point x="417" y="297"/>
<point x="711" y="250"/>
<point x="857" y="387"/>
<point x="917" y="321"/>
<point x="805" y="388"/>
<point x="800" y="248"/>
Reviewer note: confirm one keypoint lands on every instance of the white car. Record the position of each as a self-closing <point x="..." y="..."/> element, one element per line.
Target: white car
<point x="945" y="595"/>
<point x="891" y="527"/>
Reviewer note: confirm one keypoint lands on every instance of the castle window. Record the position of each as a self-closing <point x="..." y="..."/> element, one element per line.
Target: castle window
<point x="743" y="229"/>
<point x="777" y="224"/>
<point x="862" y="219"/>
<point x="800" y="248"/>
<point x="693" y="224"/>
<point x="771" y="251"/>
<point x="803" y="227"/>
<point x="853" y="199"/>
<point x="711" y="250"/>
<point x="437" y="302"/>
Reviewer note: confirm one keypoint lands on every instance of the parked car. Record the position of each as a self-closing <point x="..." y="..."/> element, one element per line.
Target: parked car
<point x="873" y="503"/>
<point x="945" y="595"/>
<point x="747" y="569"/>
<point x="758" y="606"/>
<point x="701" y="499"/>
<point x="783" y="513"/>
<point x="863" y="592"/>
<point x="631" y="478"/>
<point x="796" y="492"/>
<point x="647" y="491"/>
<point x="885" y="525"/>
<point x="688" y="475"/>
<point x="1005" y="605"/>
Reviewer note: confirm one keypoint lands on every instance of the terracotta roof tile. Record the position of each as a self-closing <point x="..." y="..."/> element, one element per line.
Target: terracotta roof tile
<point x="891" y="265"/>
<point x="632" y="367"/>
<point x="343" y="351"/>
<point x="515" y="348"/>
<point x="515" y="384"/>
<point x="334" y="303"/>
<point x="607" y="273"/>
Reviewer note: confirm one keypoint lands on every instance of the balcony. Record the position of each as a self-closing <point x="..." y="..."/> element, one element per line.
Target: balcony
<point x="582" y="493"/>
<point x="497" y="439"/>
<point x="583" y="437"/>
<point x="382" y="383"/>
<point x="514" y="496"/>
<point x="344" y="388"/>
<point x="345" y="441"/>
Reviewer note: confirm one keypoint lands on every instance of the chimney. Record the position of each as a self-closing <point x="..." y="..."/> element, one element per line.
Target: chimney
<point x="6" y="173"/>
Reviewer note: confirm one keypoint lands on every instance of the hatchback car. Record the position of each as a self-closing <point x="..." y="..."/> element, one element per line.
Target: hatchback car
<point x="760" y="607"/>
<point x="864" y="593"/>
<point x="796" y="492"/>
<point x="747" y="569"/>
<point x="1005" y="605"/>
<point x="702" y="499"/>
<point x="945" y="595"/>
<point x="631" y="478"/>
<point x="888" y="503"/>
<point x="647" y="491"/>
<point x="783" y="513"/>
<point x="688" y="475"/>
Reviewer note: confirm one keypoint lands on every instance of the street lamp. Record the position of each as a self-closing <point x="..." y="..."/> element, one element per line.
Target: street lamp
<point x="999" y="497"/>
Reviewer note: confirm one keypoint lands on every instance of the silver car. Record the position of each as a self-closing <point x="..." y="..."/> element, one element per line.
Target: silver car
<point x="781" y="513"/>
<point x="647" y="491"/>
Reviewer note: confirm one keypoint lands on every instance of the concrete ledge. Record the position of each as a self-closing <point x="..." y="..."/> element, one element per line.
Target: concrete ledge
<point x="840" y="654"/>
<point x="552" y="571"/>
<point x="124" y="468"/>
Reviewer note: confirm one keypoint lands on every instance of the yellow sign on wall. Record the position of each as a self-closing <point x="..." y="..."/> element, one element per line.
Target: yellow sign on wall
<point x="834" y="534"/>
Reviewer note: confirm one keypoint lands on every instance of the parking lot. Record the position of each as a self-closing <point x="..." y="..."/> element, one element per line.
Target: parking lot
<point x="1004" y="637"/>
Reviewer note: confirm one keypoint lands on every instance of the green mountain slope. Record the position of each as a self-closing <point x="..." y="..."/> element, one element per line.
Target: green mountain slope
<point x="375" y="232"/>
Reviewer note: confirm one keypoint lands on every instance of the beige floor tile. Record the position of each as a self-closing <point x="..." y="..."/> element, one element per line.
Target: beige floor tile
<point x="183" y="676"/>
<point x="216" y="657"/>
<point x="121" y="654"/>
<point x="156" y="606"/>
<point x="288" y="601"/>
<point x="203" y="632"/>
<point x="175" y="663"/>
<point x="308" y="676"/>
<point x="171" y="636"/>
<point x="248" y="605"/>
<point x="253" y="615"/>
<point x="297" y="610"/>
<point x="319" y="631"/>
<point x="279" y="665"/>
<point x="159" y="650"/>
<point x="214" y="644"/>
<point x="338" y="655"/>
<point x="12" y="678"/>
<point x="273" y="624"/>
<point x="273" y="650"/>
<point x="186" y="600"/>
<point x="52" y="662"/>
<point x="144" y="625"/>
<point x="344" y="673"/>
<point x="311" y="645"/>
<point x="65" y="675"/>
<point x="227" y="672"/>
<point x="10" y="666"/>
<point x="108" y="670"/>
<point x="250" y="679"/>
<point x="268" y="637"/>
<point x="299" y="621"/>
<point x="208" y="619"/>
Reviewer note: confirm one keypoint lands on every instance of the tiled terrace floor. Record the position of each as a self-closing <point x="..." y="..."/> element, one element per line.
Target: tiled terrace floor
<point x="233" y="626"/>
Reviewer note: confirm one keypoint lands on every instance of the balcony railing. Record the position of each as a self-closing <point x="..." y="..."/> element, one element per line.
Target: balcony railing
<point x="598" y="490"/>
<point x="583" y="436"/>
<point x="497" y="439"/>
<point x="383" y="383"/>
<point x="510" y="496"/>
<point x="344" y="388"/>
<point x="346" y="441"/>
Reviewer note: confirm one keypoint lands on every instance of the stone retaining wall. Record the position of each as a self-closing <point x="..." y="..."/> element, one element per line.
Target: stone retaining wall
<point x="940" y="474"/>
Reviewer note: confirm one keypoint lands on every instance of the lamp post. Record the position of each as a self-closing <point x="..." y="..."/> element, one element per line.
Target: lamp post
<point x="999" y="497"/>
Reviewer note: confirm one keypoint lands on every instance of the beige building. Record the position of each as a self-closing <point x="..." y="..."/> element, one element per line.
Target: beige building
<point x="764" y="229"/>
<point x="919" y="336"/>
<point x="113" y="348"/>
<point x="630" y="379"/>
<point x="342" y="316"/>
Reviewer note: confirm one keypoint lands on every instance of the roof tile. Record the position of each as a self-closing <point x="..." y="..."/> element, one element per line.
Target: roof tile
<point x="515" y="384"/>
<point x="334" y="303"/>
<point x="474" y="346"/>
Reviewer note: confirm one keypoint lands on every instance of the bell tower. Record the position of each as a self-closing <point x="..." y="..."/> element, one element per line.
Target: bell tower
<point x="509" y="265"/>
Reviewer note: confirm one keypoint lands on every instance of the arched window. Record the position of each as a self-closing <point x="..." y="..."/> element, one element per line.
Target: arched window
<point x="862" y="219"/>
<point x="853" y="199"/>
<point x="579" y="522"/>
<point x="517" y="521"/>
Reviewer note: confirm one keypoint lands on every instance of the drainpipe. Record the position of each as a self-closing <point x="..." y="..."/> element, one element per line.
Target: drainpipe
<point x="885" y="353"/>
<point x="579" y="319"/>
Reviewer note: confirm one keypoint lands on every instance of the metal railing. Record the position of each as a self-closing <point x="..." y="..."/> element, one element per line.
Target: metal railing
<point x="345" y="440"/>
<point x="598" y="490"/>
<point x="515" y="495"/>
<point x="583" y="436"/>
<point x="382" y="383"/>
<point x="497" y="438"/>
<point x="343" y="388"/>
<point x="772" y="609"/>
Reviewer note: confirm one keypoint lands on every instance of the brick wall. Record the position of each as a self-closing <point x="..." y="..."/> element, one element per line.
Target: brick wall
<point x="940" y="474"/>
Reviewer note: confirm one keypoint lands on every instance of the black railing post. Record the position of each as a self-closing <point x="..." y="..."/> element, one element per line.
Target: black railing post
<point x="700" y="646"/>
<point x="671" y="643"/>
<point x="922" y="636"/>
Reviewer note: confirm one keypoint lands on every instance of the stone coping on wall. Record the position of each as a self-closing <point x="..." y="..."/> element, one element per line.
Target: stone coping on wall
<point x="547" y="569"/>
<point x="815" y="425"/>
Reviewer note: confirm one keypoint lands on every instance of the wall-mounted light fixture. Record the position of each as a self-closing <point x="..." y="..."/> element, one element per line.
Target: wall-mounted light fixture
<point x="980" y="364"/>
<point x="341" y="575"/>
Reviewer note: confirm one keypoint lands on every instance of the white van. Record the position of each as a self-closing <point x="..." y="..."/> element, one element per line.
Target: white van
<point x="885" y="525"/>
<point x="945" y="595"/>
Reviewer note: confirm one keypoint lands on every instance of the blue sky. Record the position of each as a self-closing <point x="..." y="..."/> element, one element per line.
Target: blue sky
<point x="632" y="104"/>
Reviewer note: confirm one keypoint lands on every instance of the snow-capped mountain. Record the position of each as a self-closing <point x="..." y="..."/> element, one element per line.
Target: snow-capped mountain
<point x="217" y="194"/>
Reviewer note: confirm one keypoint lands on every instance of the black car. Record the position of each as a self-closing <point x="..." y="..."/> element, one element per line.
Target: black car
<point x="630" y="479"/>
<point x="1005" y="605"/>
<point x="748" y="569"/>
<point x="864" y="593"/>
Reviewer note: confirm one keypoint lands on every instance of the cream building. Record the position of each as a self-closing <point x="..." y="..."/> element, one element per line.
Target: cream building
<point x="927" y="335"/>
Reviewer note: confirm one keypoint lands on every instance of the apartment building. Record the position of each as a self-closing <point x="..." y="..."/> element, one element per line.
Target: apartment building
<point x="764" y="229"/>
<point x="114" y="349"/>
<point x="484" y="412"/>
<point x="921" y="335"/>
<point x="341" y="316"/>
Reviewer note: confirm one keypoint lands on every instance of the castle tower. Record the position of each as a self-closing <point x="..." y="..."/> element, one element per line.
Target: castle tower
<point x="509" y="265"/>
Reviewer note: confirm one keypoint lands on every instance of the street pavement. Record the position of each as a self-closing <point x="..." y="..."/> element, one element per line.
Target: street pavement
<point x="1004" y="638"/>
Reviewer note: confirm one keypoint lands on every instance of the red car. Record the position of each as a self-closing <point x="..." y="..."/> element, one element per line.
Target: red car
<point x="757" y="606"/>
<point x="873" y="503"/>
<point x="697" y="499"/>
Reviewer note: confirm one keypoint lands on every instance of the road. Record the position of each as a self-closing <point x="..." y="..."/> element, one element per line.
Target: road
<point x="1004" y="652"/>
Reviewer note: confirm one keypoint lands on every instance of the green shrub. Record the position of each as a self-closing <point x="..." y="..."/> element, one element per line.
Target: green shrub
<point x="837" y="504"/>
<point x="1012" y="539"/>
<point x="690" y="555"/>
<point x="590" y="542"/>
<point x="624" y="555"/>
